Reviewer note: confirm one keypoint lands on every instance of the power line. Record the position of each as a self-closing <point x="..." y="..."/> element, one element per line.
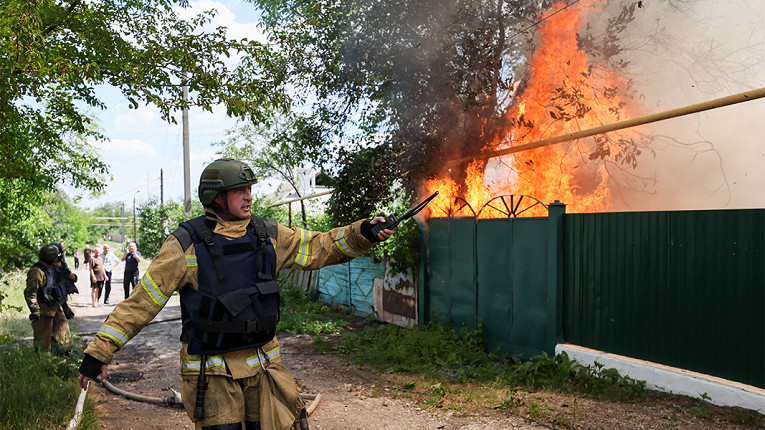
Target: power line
<point x="534" y="24"/>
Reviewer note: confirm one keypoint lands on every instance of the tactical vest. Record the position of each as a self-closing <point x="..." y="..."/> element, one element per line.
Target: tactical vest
<point x="53" y="290"/>
<point x="237" y="303"/>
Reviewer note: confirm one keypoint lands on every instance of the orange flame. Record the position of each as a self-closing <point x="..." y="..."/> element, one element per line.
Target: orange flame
<point x="564" y="94"/>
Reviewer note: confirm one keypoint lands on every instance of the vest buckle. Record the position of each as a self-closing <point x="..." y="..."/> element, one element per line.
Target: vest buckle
<point x="250" y="326"/>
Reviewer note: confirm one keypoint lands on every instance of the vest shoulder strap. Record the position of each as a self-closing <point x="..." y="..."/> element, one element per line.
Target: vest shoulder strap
<point x="260" y="229"/>
<point x="183" y="236"/>
<point x="44" y="270"/>
<point x="204" y="232"/>
<point x="272" y="227"/>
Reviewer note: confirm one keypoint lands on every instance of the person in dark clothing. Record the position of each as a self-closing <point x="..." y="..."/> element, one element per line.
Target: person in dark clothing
<point x="131" y="258"/>
<point x="86" y="255"/>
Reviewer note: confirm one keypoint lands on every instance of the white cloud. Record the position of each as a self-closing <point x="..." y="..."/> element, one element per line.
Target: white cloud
<point x="145" y="117"/>
<point x="241" y="25"/>
<point x="126" y="147"/>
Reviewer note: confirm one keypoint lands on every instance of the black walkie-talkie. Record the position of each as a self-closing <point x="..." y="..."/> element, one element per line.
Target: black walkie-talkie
<point x="391" y="221"/>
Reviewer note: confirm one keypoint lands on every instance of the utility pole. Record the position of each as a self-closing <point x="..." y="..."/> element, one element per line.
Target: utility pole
<point x="161" y="188"/>
<point x="135" y="237"/>
<point x="122" y="218"/>
<point x="186" y="171"/>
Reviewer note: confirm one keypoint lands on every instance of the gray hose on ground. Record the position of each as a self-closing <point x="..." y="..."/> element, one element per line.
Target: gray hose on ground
<point x="173" y="400"/>
<point x="176" y="398"/>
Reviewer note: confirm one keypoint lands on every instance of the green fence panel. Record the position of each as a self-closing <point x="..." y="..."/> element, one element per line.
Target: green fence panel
<point x="529" y="283"/>
<point x="679" y="288"/>
<point x="451" y="296"/>
<point x="613" y="264"/>
<point x="718" y="281"/>
<point x="495" y="296"/>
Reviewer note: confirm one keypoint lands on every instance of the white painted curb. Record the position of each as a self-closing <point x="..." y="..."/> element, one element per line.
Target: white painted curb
<point x="721" y="392"/>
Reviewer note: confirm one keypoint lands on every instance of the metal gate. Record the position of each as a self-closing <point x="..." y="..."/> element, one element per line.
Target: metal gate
<point x="499" y="275"/>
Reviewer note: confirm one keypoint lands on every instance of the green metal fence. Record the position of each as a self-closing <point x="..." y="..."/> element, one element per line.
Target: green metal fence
<point x="683" y="288"/>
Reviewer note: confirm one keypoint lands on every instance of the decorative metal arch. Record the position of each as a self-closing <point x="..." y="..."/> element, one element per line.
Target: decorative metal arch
<point x="516" y="207"/>
<point x="511" y="205"/>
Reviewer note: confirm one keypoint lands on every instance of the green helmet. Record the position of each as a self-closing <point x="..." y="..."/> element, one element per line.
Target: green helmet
<point x="223" y="174"/>
<point x="48" y="253"/>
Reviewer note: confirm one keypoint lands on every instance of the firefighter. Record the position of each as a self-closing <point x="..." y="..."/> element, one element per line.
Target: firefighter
<point x="45" y="294"/>
<point x="224" y="266"/>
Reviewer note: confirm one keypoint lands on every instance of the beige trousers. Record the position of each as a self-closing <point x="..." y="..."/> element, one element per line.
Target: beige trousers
<point x="52" y="332"/>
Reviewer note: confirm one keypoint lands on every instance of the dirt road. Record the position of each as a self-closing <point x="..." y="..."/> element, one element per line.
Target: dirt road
<point x="149" y="365"/>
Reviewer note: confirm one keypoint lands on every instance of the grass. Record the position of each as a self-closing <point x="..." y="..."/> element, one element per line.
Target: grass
<point x="301" y="315"/>
<point x="40" y="391"/>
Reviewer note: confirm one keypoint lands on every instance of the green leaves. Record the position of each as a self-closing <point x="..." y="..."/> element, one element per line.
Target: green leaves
<point x="52" y="55"/>
<point x="158" y="221"/>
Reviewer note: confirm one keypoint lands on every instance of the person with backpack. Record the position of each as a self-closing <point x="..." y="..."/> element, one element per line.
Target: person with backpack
<point x="45" y="294"/>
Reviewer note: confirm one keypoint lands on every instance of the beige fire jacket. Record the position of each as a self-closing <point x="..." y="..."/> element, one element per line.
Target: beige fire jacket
<point x="174" y="269"/>
<point x="35" y="279"/>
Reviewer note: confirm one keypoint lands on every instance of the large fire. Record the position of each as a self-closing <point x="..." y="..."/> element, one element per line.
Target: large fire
<point x="564" y="94"/>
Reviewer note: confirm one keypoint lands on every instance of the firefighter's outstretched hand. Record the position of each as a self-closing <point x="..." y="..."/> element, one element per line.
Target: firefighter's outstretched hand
<point x="384" y="234"/>
<point x="84" y="379"/>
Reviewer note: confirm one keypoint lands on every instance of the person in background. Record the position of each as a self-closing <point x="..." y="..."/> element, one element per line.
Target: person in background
<point x="44" y="294"/>
<point x="131" y="258"/>
<point x="97" y="274"/>
<point x="62" y="274"/>
<point x="110" y="260"/>
<point x="86" y="255"/>
<point x="76" y="255"/>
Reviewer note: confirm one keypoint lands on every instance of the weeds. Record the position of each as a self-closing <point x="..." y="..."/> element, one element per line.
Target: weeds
<point x="301" y="315"/>
<point x="432" y="350"/>
<point x="535" y="410"/>
<point x="512" y="402"/>
<point x="439" y="352"/>
<point x="561" y="373"/>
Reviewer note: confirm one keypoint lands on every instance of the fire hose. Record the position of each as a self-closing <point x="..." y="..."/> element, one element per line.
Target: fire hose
<point x="173" y="400"/>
